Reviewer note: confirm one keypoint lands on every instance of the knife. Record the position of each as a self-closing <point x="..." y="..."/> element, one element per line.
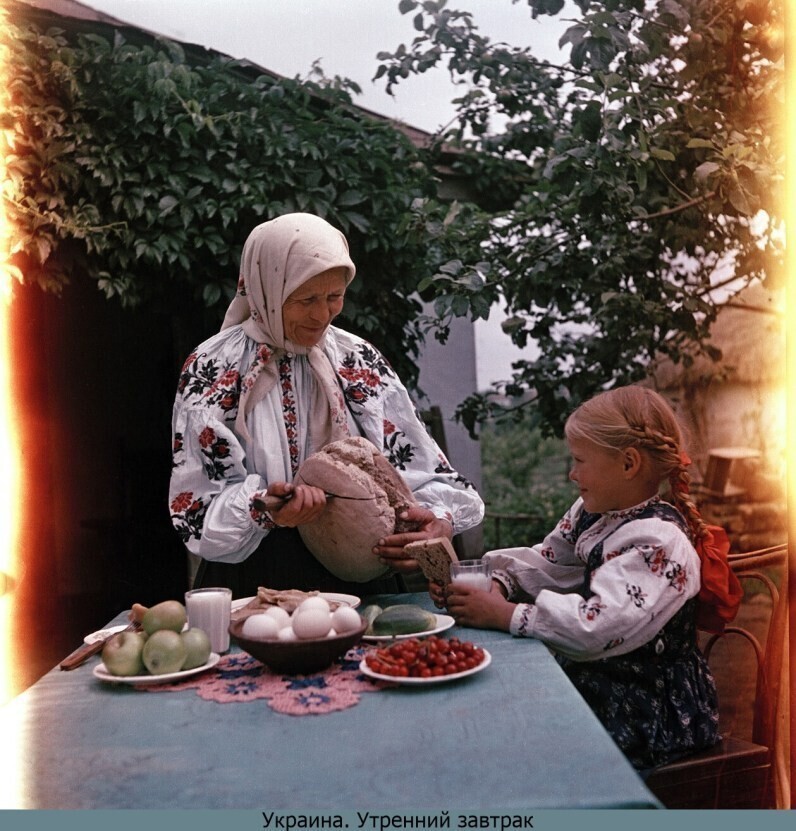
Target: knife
<point x="273" y="502"/>
<point x="84" y="652"/>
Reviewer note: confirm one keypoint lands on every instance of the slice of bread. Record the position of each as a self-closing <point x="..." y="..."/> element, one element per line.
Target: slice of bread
<point x="434" y="558"/>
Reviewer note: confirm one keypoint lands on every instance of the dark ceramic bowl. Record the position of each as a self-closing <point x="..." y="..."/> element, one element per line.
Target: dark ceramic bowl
<point x="296" y="657"/>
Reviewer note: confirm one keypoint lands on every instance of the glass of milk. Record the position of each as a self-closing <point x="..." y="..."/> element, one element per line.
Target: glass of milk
<point x="476" y="574"/>
<point x="209" y="610"/>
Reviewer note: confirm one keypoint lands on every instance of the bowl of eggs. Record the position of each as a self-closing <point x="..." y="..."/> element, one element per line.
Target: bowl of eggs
<point x="308" y="640"/>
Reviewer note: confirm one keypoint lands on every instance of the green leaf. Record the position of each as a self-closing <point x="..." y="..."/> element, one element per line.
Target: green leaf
<point x="167" y="204"/>
<point x="705" y="170"/>
<point x="664" y="155"/>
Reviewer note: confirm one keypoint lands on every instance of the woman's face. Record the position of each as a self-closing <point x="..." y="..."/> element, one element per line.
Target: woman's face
<point x="313" y="306"/>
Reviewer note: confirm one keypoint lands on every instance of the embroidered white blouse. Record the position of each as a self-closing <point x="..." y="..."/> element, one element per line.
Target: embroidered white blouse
<point x="216" y="472"/>
<point x="648" y="569"/>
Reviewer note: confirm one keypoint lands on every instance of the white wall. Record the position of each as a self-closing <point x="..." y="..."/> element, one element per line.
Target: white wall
<point x="447" y="377"/>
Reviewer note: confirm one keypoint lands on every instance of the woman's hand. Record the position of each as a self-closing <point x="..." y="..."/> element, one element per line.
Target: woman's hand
<point x="300" y="503"/>
<point x="478" y="608"/>
<point x="390" y="549"/>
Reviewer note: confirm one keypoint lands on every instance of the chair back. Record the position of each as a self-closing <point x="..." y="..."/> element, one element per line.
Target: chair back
<point x="764" y="569"/>
<point x="750" y="767"/>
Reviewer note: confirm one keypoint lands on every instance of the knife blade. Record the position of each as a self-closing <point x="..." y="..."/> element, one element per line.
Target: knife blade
<point x="84" y="652"/>
<point x="273" y="502"/>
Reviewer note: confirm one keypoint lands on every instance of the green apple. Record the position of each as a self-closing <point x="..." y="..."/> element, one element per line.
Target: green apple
<point x="197" y="648"/>
<point x="122" y="654"/>
<point x="164" y="651"/>
<point x="170" y="614"/>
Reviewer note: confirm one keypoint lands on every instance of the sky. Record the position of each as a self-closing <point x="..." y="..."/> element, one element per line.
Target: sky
<point x="287" y="36"/>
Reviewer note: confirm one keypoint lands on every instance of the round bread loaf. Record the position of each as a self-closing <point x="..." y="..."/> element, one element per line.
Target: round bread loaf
<point x="342" y="538"/>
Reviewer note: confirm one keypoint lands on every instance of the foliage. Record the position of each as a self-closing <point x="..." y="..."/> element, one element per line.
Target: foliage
<point x="144" y="166"/>
<point x="644" y="175"/>
<point x="525" y="480"/>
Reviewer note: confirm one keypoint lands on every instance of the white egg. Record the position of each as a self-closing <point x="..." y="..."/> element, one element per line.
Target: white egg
<point x="346" y="619"/>
<point x="311" y="623"/>
<point x="331" y="634"/>
<point x="314" y="602"/>
<point x="260" y="626"/>
<point x="281" y="616"/>
<point x="287" y="634"/>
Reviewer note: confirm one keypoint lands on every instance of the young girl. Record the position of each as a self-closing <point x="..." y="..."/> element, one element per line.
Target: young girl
<point x="613" y="590"/>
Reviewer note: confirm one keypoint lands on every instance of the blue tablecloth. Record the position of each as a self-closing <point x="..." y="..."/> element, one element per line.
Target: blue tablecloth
<point x="514" y="737"/>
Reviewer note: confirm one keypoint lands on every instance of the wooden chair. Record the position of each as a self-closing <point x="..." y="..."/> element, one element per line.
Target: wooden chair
<point x="740" y="772"/>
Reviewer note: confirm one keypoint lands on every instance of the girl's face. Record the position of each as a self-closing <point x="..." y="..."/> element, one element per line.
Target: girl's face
<point x="600" y="474"/>
<point x="313" y="306"/>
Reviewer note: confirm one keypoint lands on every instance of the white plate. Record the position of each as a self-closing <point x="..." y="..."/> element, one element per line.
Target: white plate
<point x="345" y="599"/>
<point x="443" y="622"/>
<point x="436" y="679"/>
<point x="101" y="634"/>
<point x="103" y="674"/>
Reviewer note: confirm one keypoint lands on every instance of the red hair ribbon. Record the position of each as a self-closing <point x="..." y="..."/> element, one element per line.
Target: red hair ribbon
<point x="721" y="593"/>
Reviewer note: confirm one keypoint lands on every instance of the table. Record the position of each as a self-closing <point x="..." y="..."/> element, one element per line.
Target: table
<point x="515" y="737"/>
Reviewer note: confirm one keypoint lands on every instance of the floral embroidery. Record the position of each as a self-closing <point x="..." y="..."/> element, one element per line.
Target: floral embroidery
<point x="655" y="559"/>
<point x="188" y="515"/>
<point x="398" y="454"/>
<point x="524" y="621"/>
<point x="677" y="577"/>
<point x="549" y="554"/>
<point x="362" y="374"/>
<point x="218" y="385"/>
<point x="289" y="411"/>
<point x="590" y="609"/>
<point x="214" y="449"/>
<point x="637" y="595"/>
<point x="258" y="513"/>
<point x="177" y="447"/>
<point x="225" y="392"/>
<point x="240" y="678"/>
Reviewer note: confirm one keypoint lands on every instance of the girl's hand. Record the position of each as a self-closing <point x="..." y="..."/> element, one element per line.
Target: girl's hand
<point x="437" y="594"/>
<point x="479" y="609"/>
<point x="390" y="549"/>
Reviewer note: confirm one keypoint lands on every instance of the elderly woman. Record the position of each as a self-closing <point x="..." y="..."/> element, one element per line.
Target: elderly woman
<point x="275" y="385"/>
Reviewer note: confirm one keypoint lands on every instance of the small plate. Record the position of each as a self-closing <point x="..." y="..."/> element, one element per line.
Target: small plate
<point x="443" y="622"/>
<point x="103" y="674"/>
<point x="101" y="634"/>
<point x="345" y="599"/>
<point x="437" y="679"/>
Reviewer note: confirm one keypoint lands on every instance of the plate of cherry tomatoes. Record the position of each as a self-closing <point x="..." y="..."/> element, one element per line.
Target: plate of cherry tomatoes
<point x="429" y="660"/>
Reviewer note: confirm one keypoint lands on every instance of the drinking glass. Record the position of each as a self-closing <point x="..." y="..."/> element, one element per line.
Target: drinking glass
<point x="209" y="610"/>
<point x="474" y="573"/>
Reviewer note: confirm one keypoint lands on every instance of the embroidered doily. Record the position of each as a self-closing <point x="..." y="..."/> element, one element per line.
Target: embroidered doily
<point x="239" y="677"/>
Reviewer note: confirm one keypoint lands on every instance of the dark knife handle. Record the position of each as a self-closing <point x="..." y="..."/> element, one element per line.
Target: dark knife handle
<point x="84" y="652"/>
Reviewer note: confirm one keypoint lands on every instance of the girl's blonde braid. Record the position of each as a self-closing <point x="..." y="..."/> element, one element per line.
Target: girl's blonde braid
<point x="672" y="458"/>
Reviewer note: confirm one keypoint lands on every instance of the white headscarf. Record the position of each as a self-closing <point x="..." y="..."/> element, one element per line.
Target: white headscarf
<point x="278" y="257"/>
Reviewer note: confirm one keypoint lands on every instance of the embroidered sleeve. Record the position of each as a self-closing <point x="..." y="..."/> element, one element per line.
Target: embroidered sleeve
<point x="210" y="492"/>
<point x="387" y="416"/>
<point x="552" y="564"/>
<point x="648" y="571"/>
